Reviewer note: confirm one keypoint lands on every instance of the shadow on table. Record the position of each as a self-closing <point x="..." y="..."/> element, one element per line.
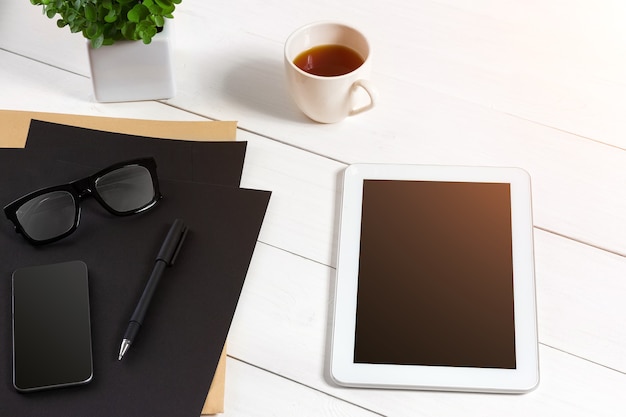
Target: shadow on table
<point x="260" y="85"/>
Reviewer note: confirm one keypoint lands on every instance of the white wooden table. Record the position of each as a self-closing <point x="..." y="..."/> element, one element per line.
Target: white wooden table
<point x="535" y="84"/>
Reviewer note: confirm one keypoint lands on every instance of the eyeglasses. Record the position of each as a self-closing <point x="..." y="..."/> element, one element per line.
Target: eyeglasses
<point x="53" y="213"/>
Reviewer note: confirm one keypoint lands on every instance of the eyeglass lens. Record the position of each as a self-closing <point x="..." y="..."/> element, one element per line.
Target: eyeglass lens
<point x="48" y="215"/>
<point x="126" y="189"/>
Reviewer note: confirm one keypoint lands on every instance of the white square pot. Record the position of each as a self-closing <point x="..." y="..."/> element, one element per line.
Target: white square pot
<point x="132" y="70"/>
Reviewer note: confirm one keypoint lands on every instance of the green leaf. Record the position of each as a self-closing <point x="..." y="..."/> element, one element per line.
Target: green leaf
<point x="155" y="9"/>
<point x="78" y="25"/>
<point x="167" y="7"/>
<point x="146" y="31"/>
<point x="90" y="12"/>
<point x="138" y="13"/>
<point x="164" y="3"/>
<point x="128" y="30"/>
<point x="98" y="41"/>
<point x="159" y="21"/>
<point x="111" y="17"/>
<point x="91" y="31"/>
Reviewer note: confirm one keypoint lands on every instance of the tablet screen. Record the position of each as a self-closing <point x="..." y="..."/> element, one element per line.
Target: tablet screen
<point x="435" y="275"/>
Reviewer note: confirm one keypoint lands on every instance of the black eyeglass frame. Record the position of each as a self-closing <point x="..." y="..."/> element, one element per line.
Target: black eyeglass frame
<point x="80" y="189"/>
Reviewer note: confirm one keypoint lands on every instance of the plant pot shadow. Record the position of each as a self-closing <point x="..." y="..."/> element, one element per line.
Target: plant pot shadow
<point x="259" y="84"/>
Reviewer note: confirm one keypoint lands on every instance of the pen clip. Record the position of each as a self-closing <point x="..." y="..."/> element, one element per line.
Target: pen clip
<point x="173" y="242"/>
<point x="183" y="235"/>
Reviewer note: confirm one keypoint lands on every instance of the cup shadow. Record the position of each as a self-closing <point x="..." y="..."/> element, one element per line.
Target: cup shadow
<point x="259" y="84"/>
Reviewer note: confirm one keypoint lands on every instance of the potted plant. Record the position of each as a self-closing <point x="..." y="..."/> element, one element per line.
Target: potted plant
<point x="128" y="43"/>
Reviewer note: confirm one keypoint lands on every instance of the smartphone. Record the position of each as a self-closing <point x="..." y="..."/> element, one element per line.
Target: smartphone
<point x="51" y="326"/>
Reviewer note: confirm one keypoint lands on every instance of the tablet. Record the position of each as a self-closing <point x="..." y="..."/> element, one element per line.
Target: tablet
<point x="435" y="281"/>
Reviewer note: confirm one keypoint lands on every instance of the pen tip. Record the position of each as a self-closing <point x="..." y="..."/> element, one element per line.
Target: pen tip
<point x="123" y="349"/>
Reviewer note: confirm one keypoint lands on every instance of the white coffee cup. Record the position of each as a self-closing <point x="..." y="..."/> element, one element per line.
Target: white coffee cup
<point x="329" y="99"/>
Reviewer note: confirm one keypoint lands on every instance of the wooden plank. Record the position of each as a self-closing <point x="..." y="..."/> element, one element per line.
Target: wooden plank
<point x="581" y="294"/>
<point x="556" y="63"/>
<point x="578" y="185"/>
<point x="302" y="213"/>
<point x="35" y="86"/>
<point x="255" y="392"/>
<point x="25" y="30"/>
<point x="283" y="321"/>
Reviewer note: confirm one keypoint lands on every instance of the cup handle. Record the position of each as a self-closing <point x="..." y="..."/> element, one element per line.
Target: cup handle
<point x="371" y="92"/>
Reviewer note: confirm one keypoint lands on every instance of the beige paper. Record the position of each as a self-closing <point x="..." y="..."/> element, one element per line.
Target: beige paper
<point x="15" y="124"/>
<point x="14" y="127"/>
<point x="214" y="402"/>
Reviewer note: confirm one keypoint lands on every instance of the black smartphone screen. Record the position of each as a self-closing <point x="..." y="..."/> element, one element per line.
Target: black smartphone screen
<point x="51" y="326"/>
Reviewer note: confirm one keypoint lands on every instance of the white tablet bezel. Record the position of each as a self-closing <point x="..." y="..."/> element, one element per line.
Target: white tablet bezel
<point x="344" y="371"/>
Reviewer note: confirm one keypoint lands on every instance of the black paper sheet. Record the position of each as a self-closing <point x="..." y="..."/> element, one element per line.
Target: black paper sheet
<point x="169" y="368"/>
<point x="206" y="162"/>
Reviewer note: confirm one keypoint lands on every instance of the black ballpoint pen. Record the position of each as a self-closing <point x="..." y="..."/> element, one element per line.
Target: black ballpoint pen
<point x="166" y="257"/>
